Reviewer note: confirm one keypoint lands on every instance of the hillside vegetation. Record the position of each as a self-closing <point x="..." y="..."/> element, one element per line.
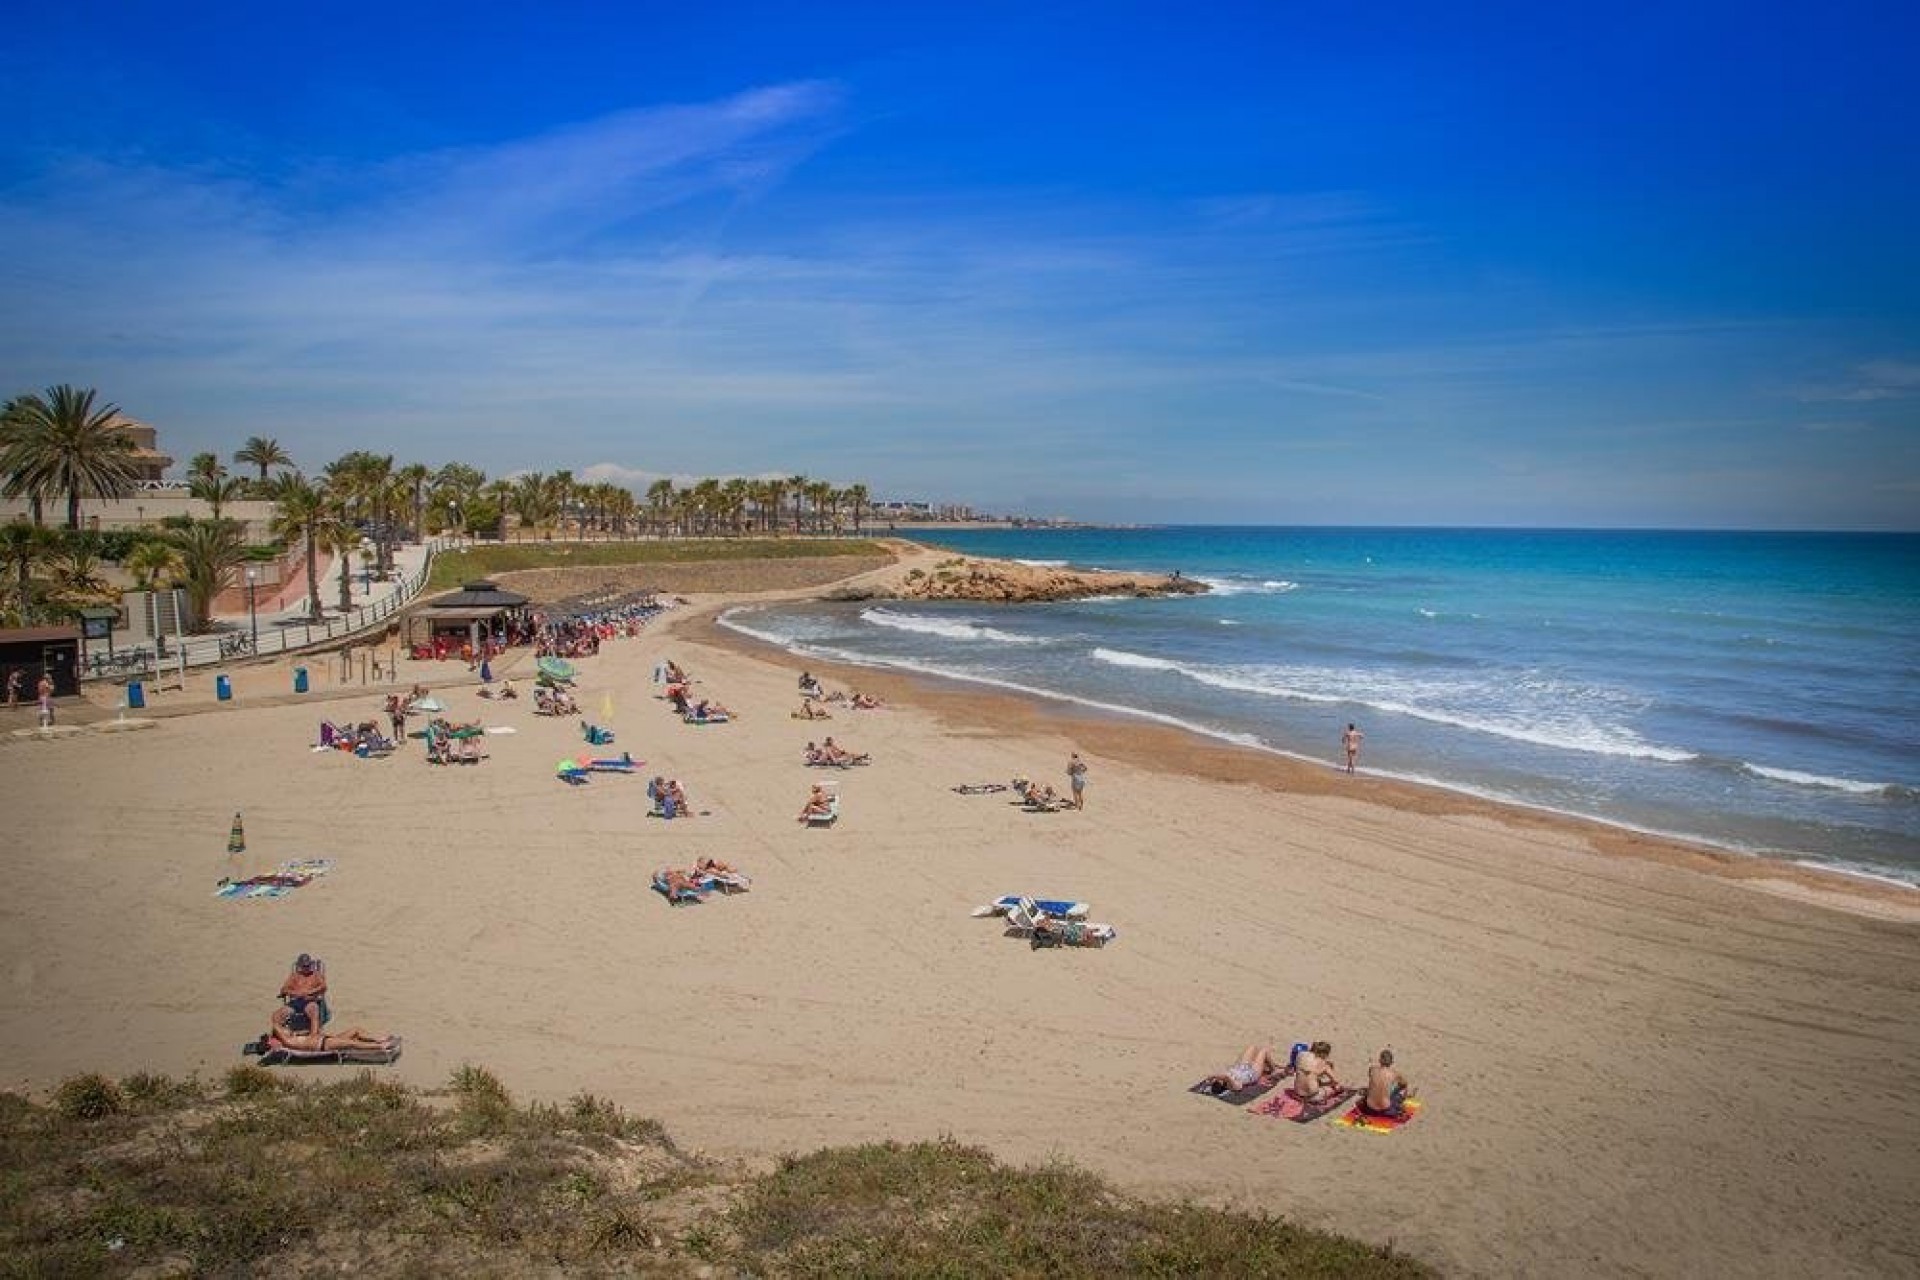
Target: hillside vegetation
<point x="262" y="1175"/>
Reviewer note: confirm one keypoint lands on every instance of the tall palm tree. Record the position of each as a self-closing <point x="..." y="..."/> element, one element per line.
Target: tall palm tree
<point x="822" y="496"/>
<point x="13" y="434"/>
<point x="659" y="504"/>
<point x="535" y="500"/>
<point x="500" y="494"/>
<point x="454" y="487"/>
<point x="797" y="486"/>
<point x="414" y="478"/>
<point x="217" y="490"/>
<point x="67" y="446"/>
<point x="210" y="550"/>
<point x="205" y="466"/>
<point x="302" y="512"/>
<point x="341" y="539"/>
<point x="857" y="500"/>
<point x="264" y="453"/>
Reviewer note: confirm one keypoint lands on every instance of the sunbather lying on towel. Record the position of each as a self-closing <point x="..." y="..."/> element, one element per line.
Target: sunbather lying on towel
<point x="1255" y="1065"/>
<point x="281" y="1034"/>
<point x="1387" y="1089"/>
<point x="864" y="702"/>
<point x="808" y="711"/>
<point x="1040" y="798"/>
<point x="1313" y="1077"/>
<point x="706" y="709"/>
<point x="677" y="882"/>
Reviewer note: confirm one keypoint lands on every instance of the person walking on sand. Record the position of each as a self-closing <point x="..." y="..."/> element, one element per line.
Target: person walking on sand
<point x="1350" y="741"/>
<point x="1077" y="779"/>
<point x="16" y="685"/>
<point x="45" y="692"/>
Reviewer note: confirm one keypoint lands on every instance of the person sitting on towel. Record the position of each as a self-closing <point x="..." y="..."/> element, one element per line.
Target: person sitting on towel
<point x="1313" y="1078"/>
<point x="305" y="992"/>
<point x="1255" y="1065"/>
<point x="819" y="805"/>
<point x="713" y="867"/>
<point x="281" y="1034"/>
<point x="808" y="711"/>
<point x="677" y="882"/>
<point x="838" y="755"/>
<point x="809" y="687"/>
<point x="1387" y="1089"/>
<point x="708" y="710"/>
<point x="507" y="690"/>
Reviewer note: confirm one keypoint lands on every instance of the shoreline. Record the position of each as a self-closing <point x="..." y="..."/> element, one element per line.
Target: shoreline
<point x="1601" y="1040"/>
<point x="1779" y="873"/>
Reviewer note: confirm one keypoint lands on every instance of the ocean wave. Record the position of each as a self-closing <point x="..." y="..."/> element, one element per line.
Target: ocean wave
<point x="1043" y="564"/>
<point x="1548" y="723"/>
<point x="1852" y="786"/>
<point x="946" y="628"/>
<point x="1249" y="586"/>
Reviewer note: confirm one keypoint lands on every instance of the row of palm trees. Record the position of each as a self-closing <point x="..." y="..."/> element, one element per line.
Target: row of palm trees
<point x="59" y="445"/>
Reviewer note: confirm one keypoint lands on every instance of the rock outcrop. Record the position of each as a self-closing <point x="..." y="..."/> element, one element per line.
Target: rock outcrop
<point x="1009" y="582"/>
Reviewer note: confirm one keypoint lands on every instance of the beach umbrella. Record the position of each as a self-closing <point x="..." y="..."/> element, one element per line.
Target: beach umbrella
<point x="237" y="838"/>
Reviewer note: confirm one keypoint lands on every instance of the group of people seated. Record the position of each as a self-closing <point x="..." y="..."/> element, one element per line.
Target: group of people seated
<point x="830" y="754"/>
<point x="812" y="692"/>
<point x="550" y="701"/>
<point x="1315" y="1080"/>
<point x="362" y="739"/>
<point x="504" y="692"/>
<point x="299" y="1023"/>
<point x="696" y="711"/>
<point x="1040" y="798"/>
<point x="704" y="876"/>
<point x="450" y="743"/>
<point x="669" y="798"/>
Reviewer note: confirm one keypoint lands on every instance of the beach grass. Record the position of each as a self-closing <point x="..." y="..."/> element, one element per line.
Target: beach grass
<point x="152" y="1175"/>
<point x="451" y="569"/>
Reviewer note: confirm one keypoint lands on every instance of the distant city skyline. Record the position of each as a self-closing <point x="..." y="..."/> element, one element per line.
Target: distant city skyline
<point x="1255" y="264"/>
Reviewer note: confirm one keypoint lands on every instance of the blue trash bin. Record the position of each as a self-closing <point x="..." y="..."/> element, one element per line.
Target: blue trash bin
<point x="299" y="679"/>
<point x="136" y="695"/>
<point x="223" y="688"/>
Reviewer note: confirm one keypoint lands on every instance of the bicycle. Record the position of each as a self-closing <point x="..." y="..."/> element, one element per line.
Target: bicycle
<point x="234" y="646"/>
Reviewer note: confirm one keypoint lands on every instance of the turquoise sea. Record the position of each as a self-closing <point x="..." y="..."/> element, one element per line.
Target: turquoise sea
<point x="1752" y="690"/>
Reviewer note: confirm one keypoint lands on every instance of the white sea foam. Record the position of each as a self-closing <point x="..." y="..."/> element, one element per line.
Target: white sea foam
<point x="1249" y="586"/>
<point x="1228" y="622"/>
<point x="1549" y="717"/>
<point x="1850" y="785"/>
<point x="946" y="628"/>
<point x="1043" y="564"/>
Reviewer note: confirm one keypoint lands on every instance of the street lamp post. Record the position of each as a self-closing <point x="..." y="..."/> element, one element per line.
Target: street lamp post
<point x="253" y="618"/>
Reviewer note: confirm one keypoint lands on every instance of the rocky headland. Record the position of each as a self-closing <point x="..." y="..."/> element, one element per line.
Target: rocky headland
<point x="1008" y="582"/>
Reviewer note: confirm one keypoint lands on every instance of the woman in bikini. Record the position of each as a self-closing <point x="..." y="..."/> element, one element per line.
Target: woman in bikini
<point x="281" y="1033"/>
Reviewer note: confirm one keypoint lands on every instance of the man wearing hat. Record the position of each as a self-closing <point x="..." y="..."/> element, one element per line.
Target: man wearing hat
<point x="305" y="991"/>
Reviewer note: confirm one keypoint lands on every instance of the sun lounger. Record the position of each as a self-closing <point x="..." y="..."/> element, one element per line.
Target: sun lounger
<point x="1025" y="920"/>
<point x="674" y="897"/>
<point x="1060" y="908"/>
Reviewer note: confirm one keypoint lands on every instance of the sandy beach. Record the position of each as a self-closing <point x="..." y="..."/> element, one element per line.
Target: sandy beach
<point x="1637" y="1058"/>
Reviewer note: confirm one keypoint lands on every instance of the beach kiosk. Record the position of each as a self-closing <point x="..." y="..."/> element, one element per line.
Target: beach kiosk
<point x="454" y="625"/>
<point x="32" y="650"/>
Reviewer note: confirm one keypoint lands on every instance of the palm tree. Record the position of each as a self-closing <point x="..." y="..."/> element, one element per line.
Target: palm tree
<point x="302" y="512"/>
<point x="261" y="452"/>
<point x="217" y="490"/>
<point x="23" y="549"/>
<point x="13" y="434"/>
<point x="210" y="550"/>
<point x="534" y="499"/>
<point x="797" y="486"/>
<point x="149" y="562"/>
<point x="67" y="446"/>
<point x="414" y="478"/>
<point x="205" y="466"/>
<point x="822" y="497"/>
<point x="500" y="494"/>
<point x="659" y="503"/>
<point x="340" y="538"/>
<point x="857" y="499"/>
<point x="77" y="580"/>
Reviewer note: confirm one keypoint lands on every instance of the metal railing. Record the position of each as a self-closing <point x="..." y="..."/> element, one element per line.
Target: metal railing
<point x="281" y="636"/>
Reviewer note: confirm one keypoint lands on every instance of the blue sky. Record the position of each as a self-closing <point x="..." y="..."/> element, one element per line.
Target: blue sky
<point x="1645" y="265"/>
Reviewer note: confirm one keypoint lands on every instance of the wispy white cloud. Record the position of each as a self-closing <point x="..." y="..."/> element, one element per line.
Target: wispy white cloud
<point x="1866" y="382"/>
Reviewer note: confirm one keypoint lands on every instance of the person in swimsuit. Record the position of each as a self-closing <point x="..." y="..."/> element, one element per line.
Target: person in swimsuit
<point x="819" y="804"/>
<point x="1313" y="1078"/>
<point x="1387" y="1089"/>
<point x="1254" y="1065"/>
<point x="280" y="1032"/>
<point x="1077" y="776"/>
<point x="1350" y="742"/>
<point x="305" y="992"/>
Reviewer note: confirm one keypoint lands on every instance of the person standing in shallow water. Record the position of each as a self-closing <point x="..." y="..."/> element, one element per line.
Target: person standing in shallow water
<point x="1350" y="741"/>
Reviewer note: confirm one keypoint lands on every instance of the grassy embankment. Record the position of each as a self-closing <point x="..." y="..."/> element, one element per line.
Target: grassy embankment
<point x="258" y="1174"/>
<point x="486" y="559"/>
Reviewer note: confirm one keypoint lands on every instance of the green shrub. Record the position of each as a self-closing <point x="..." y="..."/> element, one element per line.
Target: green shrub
<point x="247" y="1081"/>
<point x="88" y="1097"/>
